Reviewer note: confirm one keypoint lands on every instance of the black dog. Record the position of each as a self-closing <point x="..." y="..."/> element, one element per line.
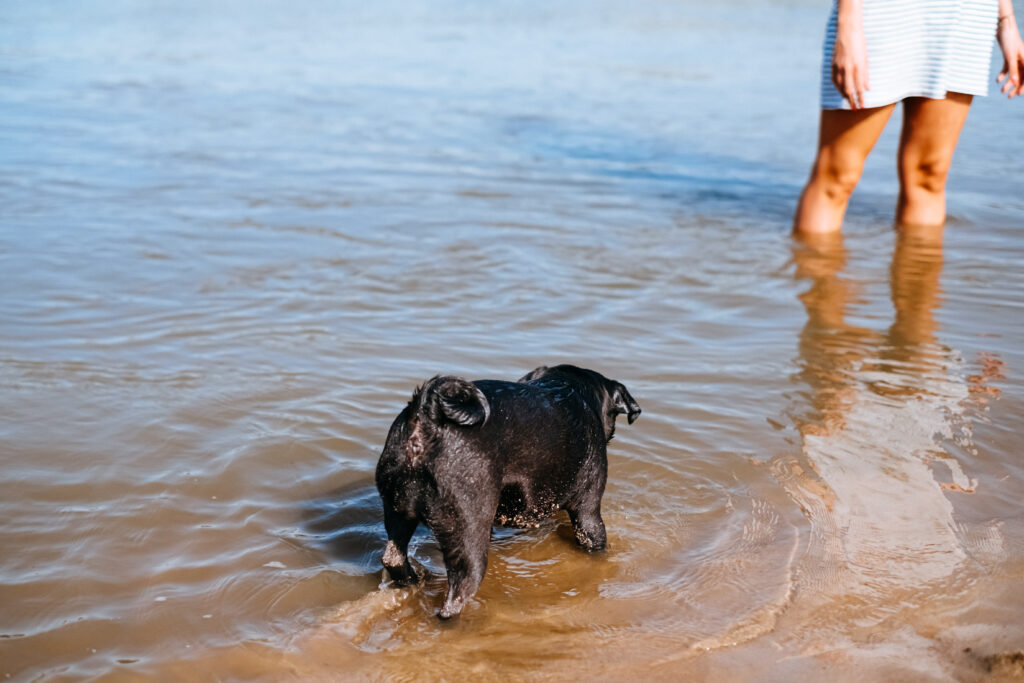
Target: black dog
<point x="463" y="456"/>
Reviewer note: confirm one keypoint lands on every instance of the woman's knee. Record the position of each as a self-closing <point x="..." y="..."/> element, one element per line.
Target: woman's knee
<point x="930" y="132"/>
<point x="838" y="176"/>
<point x="924" y="174"/>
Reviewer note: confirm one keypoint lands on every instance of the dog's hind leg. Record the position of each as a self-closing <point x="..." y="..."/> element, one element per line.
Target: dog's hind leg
<point x="465" y="558"/>
<point x="396" y="557"/>
<point x="586" y="518"/>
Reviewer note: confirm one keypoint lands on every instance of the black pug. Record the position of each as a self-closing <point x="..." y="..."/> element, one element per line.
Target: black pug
<point x="463" y="456"/>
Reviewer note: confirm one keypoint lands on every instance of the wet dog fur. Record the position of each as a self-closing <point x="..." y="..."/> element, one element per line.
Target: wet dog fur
<point x="463" y="456"/>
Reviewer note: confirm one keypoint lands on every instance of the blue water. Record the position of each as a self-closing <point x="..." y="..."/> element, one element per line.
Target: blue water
<point x="235" y="236"/>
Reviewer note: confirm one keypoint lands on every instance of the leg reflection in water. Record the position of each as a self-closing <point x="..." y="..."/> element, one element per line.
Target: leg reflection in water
<point x="872" y="474"/>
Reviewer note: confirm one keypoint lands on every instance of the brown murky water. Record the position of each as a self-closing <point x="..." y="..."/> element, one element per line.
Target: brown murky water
<point x="233" y="240"/>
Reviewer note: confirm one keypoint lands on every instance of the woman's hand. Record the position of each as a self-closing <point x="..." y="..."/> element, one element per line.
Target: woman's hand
<point x="1013" y="57"/>
<point x="850" y="61"/>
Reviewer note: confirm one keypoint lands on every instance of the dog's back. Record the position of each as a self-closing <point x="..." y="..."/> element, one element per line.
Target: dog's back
<point x="527" y="440"/>
<point x="463" y="455"/>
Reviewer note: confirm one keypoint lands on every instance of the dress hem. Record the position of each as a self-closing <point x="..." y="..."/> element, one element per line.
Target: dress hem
<point x="931" y="95"/>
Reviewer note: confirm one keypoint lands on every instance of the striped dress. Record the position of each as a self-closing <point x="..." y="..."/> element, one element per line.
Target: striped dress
<point x="919" y="48"/>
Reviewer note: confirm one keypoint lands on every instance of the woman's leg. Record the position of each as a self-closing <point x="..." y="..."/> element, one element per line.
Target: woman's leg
<point x="844" y="140"/>
<point x="931" y="129"/>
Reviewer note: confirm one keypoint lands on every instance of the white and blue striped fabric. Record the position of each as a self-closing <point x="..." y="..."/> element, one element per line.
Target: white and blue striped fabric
<point x="919" y="48"/>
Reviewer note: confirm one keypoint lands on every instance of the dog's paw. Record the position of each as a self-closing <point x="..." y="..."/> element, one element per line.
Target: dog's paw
<point x="403" y="576"/>
<point x="399" y="579"/>
<point x="591" y="546"/>
<point x="398" y="566"/>
<point x="451" y="608"/>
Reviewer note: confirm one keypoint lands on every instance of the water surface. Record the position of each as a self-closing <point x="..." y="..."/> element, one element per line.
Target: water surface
<point x="234" y="238"/>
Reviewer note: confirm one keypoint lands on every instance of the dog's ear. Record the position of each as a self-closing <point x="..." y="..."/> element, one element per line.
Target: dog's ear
<point x="534" y="374"/>
<point x="624" y="403"/>
<point x="455" y="400"/>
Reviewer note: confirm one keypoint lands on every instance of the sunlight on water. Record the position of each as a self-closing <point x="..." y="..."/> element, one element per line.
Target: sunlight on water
<point x="235" y="237"/>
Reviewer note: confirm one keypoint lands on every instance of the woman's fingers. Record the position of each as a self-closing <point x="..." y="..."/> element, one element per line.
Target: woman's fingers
<point x="848" y="84"/>
<point x="1020" y="72"/>
<point x="840" y="80"/>
<point x="849" y="64"/>
<point x="850" y="91"/>
<point x="860" y="84"/>
<point x="1005" y="77"/>
<point x="1010" y="76"/>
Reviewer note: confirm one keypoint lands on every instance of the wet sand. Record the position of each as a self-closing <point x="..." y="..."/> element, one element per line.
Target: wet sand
<point x="233" y="241"/>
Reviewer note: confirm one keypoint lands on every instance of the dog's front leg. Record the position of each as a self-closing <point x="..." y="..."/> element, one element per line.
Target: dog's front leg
<point x="465" y="558"/>
<point x="396" y="558"/>
<point x="589" y="527"/>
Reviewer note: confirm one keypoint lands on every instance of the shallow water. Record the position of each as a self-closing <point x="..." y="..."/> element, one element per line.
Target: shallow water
<point x="234" y="239"/>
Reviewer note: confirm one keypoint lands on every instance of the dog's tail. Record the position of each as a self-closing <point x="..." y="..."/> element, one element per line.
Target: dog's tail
<point x="442" y="400"/>
<point x="453" y="399"/>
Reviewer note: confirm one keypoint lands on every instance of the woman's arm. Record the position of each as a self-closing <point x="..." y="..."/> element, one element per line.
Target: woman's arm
<point x="850" y="54"/>
<point x="1010" y="42"/>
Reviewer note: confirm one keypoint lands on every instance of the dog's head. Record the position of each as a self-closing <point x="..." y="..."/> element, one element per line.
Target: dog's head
<point x="611" y="398"/>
